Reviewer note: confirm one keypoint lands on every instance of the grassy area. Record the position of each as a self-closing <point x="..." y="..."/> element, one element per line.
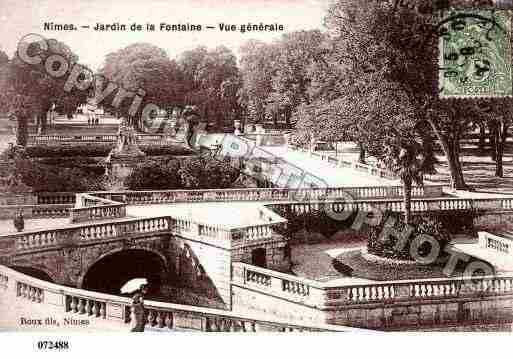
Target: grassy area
<point x="353" y="264"/>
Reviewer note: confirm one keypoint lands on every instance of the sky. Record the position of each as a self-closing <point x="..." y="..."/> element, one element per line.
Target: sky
<point x="21" y="17"/>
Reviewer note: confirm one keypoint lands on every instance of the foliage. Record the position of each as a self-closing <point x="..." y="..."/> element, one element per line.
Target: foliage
<point x="153" y="175"/>
<point x="212" y="81"/>
<point x="276" y="76"/>
<point x="146" y="67"/>
<point x="187" y="173"/>
<point x="382" y="241"/>
<point x="315" y="222"/>
<point x="29" y="90"/>
<point x="52" y="178"/>
<point x="80" y="150"/>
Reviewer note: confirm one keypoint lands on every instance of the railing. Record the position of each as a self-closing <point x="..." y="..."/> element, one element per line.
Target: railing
<point x="55" y="197"/>
<point x="80" y="234"/>
<point x="107" y="138"/>
<point x="265" y="194"/>
<point x="39" y="139"/>
<point x="321" y="295"/>
<point x="357" y="166"/>
<point x="495" y="242"/>
<point x="103" y="310"/>
<point x="90" y="208"/>
<point x="417" y="205"/>
<point x="278" y="284"/>
<point x="36" y="211"/>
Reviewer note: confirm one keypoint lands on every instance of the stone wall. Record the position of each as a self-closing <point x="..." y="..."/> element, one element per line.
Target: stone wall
<point x="394" y="305"/>
<point x="277" y="253"/>
<point x="203" y="270"/>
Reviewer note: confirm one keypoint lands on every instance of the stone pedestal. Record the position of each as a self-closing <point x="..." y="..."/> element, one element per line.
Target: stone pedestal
<point x="126" y="155"/>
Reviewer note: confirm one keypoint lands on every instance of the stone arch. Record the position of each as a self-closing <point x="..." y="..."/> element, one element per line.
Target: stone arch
<point x="123" y="264"/>
<point x="36" y="272"/>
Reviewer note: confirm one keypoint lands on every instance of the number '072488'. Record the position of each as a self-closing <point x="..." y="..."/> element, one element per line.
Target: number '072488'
<point x="49" y="345"/>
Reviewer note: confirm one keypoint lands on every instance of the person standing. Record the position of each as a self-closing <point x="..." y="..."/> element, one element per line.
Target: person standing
<point x="138" y="313"/>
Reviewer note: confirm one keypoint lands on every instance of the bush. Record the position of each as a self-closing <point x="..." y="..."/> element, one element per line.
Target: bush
<point x="314" y="222"/>
<point x="86" y="164"/>
<point x="382" y="240"/>
<point x="154" y="175"/>
<point x="47" y="178"/>
<point x="80" y="150"/>
<point x="188" y="173"/>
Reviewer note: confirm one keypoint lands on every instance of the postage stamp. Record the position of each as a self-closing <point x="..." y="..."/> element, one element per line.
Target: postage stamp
<point x="475" y="54"/>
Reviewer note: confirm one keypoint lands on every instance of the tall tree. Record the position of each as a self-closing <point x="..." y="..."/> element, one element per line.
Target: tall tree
<point x="257" y="67"/>
<point x="212" y="81"/>
<point x="30" y="90"/>
<point x="145" y="67"/>
<point x="290" y="83"/>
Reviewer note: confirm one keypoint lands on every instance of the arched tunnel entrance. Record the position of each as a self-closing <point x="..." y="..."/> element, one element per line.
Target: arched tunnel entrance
<point x="110" y="273"/>
<point x="34" y="272"/>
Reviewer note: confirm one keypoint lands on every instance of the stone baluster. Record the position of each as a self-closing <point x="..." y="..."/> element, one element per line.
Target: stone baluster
<point x="74" y="304"/>
<point x="81" y="306"/>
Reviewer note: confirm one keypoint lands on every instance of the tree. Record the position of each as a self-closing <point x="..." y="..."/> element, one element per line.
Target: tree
<point x="291" y="80"/>
<point x="386" y="40"/>
<point x="145" y="67"/>
<point x="499" y="117"/>
<point x="212" y="81"/>
<point x="29" y="90"/>
<point x="257" y="68"/>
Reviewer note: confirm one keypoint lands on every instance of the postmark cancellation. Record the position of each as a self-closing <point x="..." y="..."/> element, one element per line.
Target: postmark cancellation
<point x="475" y="54"/>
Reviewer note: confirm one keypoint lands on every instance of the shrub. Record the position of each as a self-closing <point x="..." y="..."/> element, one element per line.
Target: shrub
<point x="154" y="175"/>
<point x="48" y="178"/>
<point x="384" y="243"/>
<point x="190" y="173"/>
<point x="318" y="222"/>
<point x="84" y="150"/>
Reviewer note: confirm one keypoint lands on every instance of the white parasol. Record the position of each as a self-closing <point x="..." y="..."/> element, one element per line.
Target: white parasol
<point x="133" y="284"/>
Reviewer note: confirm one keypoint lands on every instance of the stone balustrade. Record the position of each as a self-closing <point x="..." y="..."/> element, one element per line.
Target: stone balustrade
<point x="267" y="194"/>
<point x="37" y="205"/>
<point x="100" y="212"/>
<point x="321" y="295"/>
<point x="90" y="208"/>
<point x="396" y="205"/>
<point x="414" y="290"/>
<point x="29" y="292"/>
<point x="501" y="244"/>
<point x="281" y="285"/>
<point x="106" y="138"/>
<point x="255" y="232"/>
<point x="55" y="197"/>
<point x="357" y="166"/>
<point x="121" y="228"/>
<point x="257" y="278"/>
<point x="36" y="211"/>
<point x="85" y="305"/>
<point x="109" y="311"/>
<point x="55" y="138"/>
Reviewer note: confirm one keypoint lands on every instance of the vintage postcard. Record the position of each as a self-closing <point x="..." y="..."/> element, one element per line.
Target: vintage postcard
<point x="255" y="166"/>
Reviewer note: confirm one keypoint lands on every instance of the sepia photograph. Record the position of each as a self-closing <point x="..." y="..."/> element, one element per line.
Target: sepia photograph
<point x="299" y="166"/>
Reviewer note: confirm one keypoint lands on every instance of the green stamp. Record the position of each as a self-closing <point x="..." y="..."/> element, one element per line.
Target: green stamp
<point x="475" y="54"/>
